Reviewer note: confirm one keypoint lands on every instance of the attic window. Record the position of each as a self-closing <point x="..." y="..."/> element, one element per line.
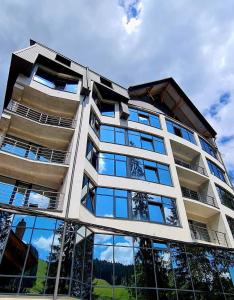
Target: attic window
<point x="63" y="60"/>
<point x="106" y="82"/>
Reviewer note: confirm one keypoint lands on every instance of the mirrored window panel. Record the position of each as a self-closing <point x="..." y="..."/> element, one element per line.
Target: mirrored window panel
<point x="180" y="131"/>
<point x="216" y="171"/>
<point x="144" y="117"/>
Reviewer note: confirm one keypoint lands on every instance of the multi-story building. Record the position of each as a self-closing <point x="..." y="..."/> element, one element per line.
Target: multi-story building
<point x="108" y="192"/>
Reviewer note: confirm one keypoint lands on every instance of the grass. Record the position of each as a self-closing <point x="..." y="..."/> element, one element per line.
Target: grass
<point x="103" y="291"/>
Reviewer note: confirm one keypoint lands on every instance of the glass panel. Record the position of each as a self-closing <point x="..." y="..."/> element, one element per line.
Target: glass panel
<point x="159" y="146"/>
<point x="102" y="265"/>
<point x="155" y="213"/>
<point x="6" y="191"/>
<point x="154" y="121"/>
<point x="122" y="240"/>
<point x="101" y="293"/>
<point x="104" y="239"/>
<point x="139" y="206"/>
<point x="32" y="285"/>
<point x="133" y="115"/>
<point x="144" y="267"/>
<point x="147" y="144"/>
<point x="71" y="87"/>
<point x="105" y="191"/>
<point x="104" y="206"/>
<point x="121" y="208"/>
<point x="149" y="294"/>
<point x="136" y="168"/>
<point x="9" y="285"/>
<point x="151" y="174"/>
<point x="124" y="293"/>
<point x="120" y="137"/>
<point x="124" y="266"/>
<point x="46" y="223"/>
<point x="107" y="109"/>
<point x="164" y="175"/>
<point x="134" y="139"/>
<point x="107" y="134"/>
<point x="106" y="166"/>
<point x="164" y="271"/>
<point x="121" y="168"/>
<point x="143" y="118"/>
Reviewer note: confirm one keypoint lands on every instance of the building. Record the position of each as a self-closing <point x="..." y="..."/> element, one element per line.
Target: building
<point x="107" y="192"/>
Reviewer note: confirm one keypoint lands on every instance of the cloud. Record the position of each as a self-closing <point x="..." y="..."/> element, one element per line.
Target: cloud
<point x="44" y="243"/>
<point x="192" y="41"/>
<point x="215" y="108"/>
<point x="226" y="139"/>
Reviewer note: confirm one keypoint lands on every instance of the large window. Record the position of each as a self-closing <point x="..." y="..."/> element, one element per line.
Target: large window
<point x="128" y="166"/>
<point x="180" y="131"/>
<point x="106" y="266"/>
<point x="226" y="198"/>
<point x="124" y="204"/>
<point x="208" y="148"/>
<point x="54" y="82"/>
<point x="216" y="171"/>
<point x="143" y="117"/>
<point x="22" y="194"/>
<point x="106" y="109"/>
<point x="231" y="224"/>
<point x="132" y="138"/>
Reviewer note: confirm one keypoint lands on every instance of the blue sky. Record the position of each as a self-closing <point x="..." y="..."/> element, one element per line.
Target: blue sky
<point x="135" y="41"/>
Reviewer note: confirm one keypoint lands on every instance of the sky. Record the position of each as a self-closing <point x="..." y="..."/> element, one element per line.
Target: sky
<point x="136" y="41"/>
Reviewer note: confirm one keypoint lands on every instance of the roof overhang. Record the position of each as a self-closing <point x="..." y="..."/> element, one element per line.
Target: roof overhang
<point x="167" y="91"/>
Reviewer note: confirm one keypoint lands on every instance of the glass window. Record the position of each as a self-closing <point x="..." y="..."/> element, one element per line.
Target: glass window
<point x="216" y="171"/>
<point x="136" y="168"/>
<point x="107" y="109"/>
<point x="155" y="213"/>
<point x="226" y="198"/>
<point x="151" y="174"/>
<point x="164" y="175"/>
<point x="208" y="148"/>
<point x="107" y="134"/>
<point x="231" y="225"/>
<point x="134" y="139"/>
<point x="104" y="206"/>
<point x="120" y="136"/>
<point x="144" y="118"/>
<point x="106" y="164"/>
<point x="180" y="131"/>
<point x="121" y="207"/>
<point x="139" y="206"/>
<point x="147" y="143"/>
<point x="164" y="270"/>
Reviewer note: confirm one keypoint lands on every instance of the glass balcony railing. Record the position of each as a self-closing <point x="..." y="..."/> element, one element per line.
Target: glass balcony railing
<point x="37" y="116"/>
<point x="194" y="167"/>
<point x="21" y="196"/>
<point x="187" y="193"/>
<point x="207" y="235"/>
<point x="33" y="152"/>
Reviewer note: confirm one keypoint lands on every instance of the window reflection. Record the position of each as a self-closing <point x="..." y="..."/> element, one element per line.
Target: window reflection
<point x="144" y="118"/>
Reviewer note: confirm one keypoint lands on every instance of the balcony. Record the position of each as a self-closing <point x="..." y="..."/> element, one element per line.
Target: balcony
<point x="206" y="199"/>
<point x="39" y="117"/>
<point x="19" y="196"/>
<point x="202" y="233"/>
<point x="39" y="95"/>
<point x="33" y="163"/>
<point x="49" y="131"/>
<point x="199" y="203"/>
<point x="33" y="152"/>
<point x="192" y="167"/>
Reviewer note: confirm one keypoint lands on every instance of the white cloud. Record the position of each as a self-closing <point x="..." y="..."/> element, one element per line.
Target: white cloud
<point x="45" y="243"/>
<point x="192" y="41"/>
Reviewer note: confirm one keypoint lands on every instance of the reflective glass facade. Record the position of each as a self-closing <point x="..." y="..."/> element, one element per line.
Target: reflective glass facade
<point x="208" y="148"/>
<point x="226" y="198"/>
<point x="180" y="131"/>
<point x="107" y="266"/>
<point x="128" y="166"/>
<point x="131" y="205"/>
<point x="143" y="117"/>
<point x="216" y="171"/>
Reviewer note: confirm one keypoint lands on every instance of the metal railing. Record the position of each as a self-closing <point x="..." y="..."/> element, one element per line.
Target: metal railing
<point x="33" y="152"/>
<point x="20" y="196"/>
<point x="207" y="235"/>
<point x="37" y="116"/>
<point x="207" y="199"/>
<point x="195" y="167"/>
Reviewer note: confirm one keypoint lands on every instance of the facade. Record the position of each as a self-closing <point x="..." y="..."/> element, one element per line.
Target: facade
<point x="107" y="192"/>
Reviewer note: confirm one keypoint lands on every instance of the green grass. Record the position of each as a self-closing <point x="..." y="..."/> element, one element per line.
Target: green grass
<point x="104" y="292"/>
<point x="38" y="286"/>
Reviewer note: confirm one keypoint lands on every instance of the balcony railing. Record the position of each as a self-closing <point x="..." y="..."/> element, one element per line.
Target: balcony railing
<point x="33" y="152"/>
<point x="210" y="236"/>
<point x="195" y="167"/>
<point x="37" y="116"/>
<point x="30" y="198"/>
<point x="187" y="193"/>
